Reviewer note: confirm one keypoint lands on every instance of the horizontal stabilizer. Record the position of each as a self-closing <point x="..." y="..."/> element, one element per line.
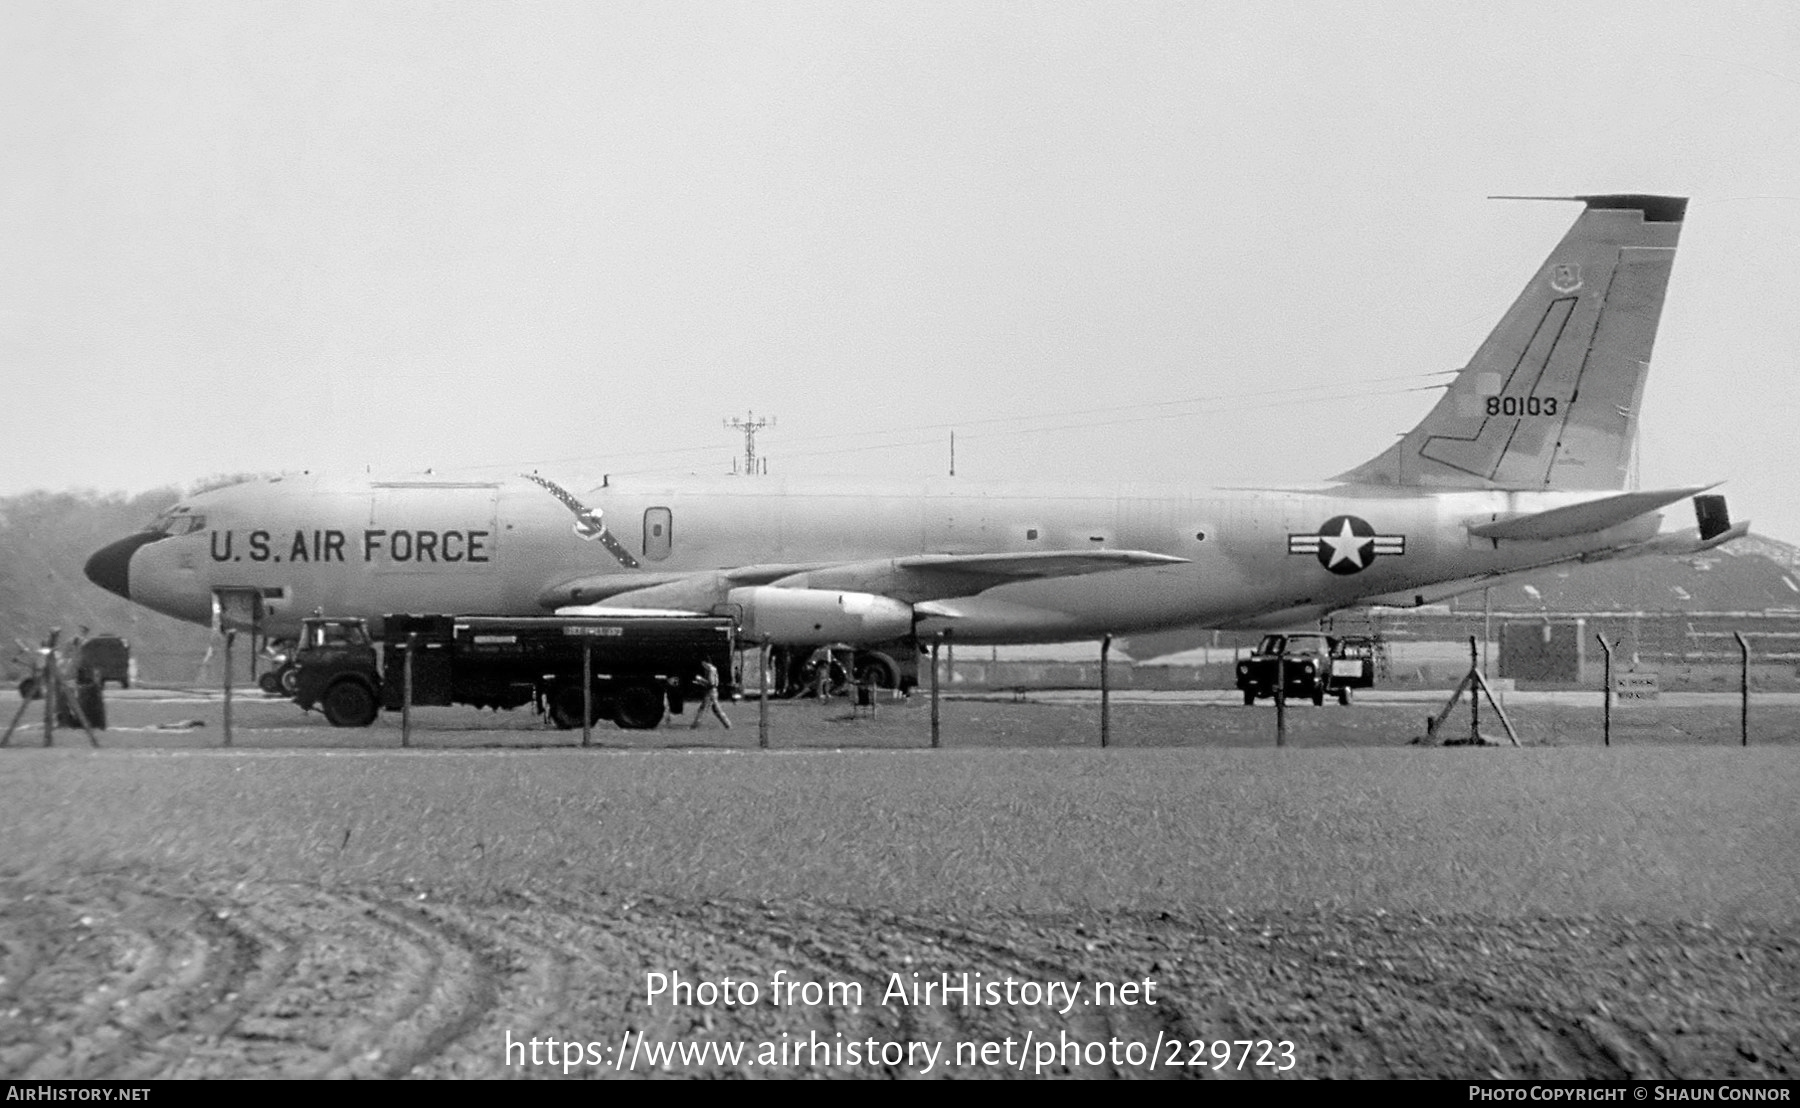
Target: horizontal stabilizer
<point x="1582" y="519"/>
<point x="1675" y="544"/>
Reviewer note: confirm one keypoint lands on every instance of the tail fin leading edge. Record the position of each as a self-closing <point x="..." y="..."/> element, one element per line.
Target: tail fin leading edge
<point x="1550" y="400"/>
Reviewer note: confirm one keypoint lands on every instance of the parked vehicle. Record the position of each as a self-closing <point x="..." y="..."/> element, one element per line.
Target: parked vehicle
<point x="642" y="665"/>
<point x="102" y="658"/>
<point x="282" y="676"/>
<point x="1311" y="666"/>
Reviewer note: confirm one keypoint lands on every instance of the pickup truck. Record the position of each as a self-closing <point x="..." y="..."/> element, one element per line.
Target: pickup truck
<point x="1313" y="666"/>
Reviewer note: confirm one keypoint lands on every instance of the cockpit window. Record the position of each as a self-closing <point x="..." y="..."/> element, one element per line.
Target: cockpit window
<point x="177" y="521"/>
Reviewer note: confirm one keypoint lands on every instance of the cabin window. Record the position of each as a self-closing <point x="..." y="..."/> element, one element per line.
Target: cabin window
<point x="659" y="525"/>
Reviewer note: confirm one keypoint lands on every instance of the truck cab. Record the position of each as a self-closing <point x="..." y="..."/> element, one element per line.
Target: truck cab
<point x="336" y="670"/>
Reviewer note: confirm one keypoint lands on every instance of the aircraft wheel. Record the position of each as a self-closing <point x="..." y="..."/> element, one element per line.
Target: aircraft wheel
<point x="350" y="704"/>
<point x="878" y="670"/>
<point x="1344" y="696"/>
<point x="28" y="689"/>
<point x="270" y="682"/>
<point x="1249" y="698"/>
<point x="639" y="708"/>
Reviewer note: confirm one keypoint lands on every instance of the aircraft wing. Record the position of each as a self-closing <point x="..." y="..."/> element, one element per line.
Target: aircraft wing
<point x="1038" y="563"/>
<point x="921" y="577"/>
<point x="603" y="586"/>
<point x="910" y="579"/>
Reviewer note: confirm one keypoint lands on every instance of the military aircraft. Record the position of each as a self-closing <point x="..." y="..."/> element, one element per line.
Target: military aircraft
<point x="1522" y="463"/>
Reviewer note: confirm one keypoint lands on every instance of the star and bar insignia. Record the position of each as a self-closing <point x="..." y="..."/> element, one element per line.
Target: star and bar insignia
<point x="1346" y="544"/>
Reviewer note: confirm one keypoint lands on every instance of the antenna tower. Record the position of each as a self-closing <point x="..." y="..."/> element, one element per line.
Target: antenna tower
<point x="750" y="425"/>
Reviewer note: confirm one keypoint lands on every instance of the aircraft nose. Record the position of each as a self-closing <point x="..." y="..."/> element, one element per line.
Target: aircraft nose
<point x="110" y="567"/>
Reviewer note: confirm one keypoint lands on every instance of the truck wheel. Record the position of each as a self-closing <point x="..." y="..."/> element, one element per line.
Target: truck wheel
<point x="288" y="677"/>
<point x="1318" y="695"/>
<point x="563" y="713"/>
<point x="28" y="689"/>
<point x="565" y="708"/>
<point x="1344" y="696"/>
<point x="638" y="709"/>
<point x="1249" y="698"/>
<point x="349" y="704"/>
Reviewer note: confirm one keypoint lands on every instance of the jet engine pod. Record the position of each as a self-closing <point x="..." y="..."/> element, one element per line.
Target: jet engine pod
<point x="802" y="617"/>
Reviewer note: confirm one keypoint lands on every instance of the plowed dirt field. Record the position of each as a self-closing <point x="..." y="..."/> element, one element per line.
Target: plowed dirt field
<point x="305" y="906"/>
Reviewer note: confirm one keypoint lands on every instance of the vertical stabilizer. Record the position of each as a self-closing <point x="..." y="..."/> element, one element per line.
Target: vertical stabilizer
<point x="1550" y="401"/>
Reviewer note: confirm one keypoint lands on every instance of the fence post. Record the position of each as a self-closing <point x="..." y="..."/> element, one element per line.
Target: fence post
<point x="587" y="691"/>
<point x="406" y="689"/>
<point x="762" y="701"/>
<point x="1105" y="693"/>
<point x="230" y="638"/>
<point x="1743" y="689"/>
<point x="1606" y="692"/>
<point x="48" y="683"/>
<point x="1281" y="700"/>
<point x="934" y="691"/>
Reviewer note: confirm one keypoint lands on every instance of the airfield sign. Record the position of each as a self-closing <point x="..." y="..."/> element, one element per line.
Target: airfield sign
<point x="1637" y="688"/>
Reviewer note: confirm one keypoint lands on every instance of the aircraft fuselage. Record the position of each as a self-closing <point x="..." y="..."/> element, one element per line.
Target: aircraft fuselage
<point x="1253" y="557"/>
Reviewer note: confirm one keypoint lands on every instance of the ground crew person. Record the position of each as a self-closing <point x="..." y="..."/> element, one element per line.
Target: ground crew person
<point x="709" y="684"/>
<point x="821" y="672"/>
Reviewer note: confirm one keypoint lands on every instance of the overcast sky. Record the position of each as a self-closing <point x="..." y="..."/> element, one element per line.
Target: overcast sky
<point x="1211" y="244"/>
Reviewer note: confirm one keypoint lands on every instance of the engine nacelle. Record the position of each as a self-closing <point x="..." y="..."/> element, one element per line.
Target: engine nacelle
<point x="811" y="617"/>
